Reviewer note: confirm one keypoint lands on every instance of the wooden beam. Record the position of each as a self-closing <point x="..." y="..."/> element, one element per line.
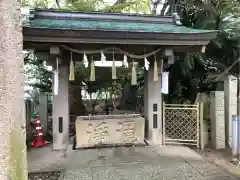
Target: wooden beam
<point x="114" y="37"/>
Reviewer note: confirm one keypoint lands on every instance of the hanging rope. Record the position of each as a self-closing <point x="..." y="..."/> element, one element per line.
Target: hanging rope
<point x="114" y="70"/>
<point x="71" y="69"/>
<point x="85" y="60"/>
<point x="56" y="78"/>
<point x="155" y="69"/>
<point x="134" y="74"/>
<point x="113" y="48"/>
<point x="92" y="73"/>
<point x="146" y="63"/>
<point x="125" y="62"/>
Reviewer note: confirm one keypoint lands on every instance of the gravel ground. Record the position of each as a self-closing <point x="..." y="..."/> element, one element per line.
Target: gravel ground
<point x="44" y="176"/>
<point x="221" y="158"/>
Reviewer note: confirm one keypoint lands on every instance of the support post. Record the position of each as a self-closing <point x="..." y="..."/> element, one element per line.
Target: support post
<point x="228" y="110"/>
<point x="146" y="94"/>
<point x="154" y="109"/>
<point x="163" y="124"/>
<point x="238" y="107"/>
<point x="146" y="104"/>
<point x="13" y="161"/>
<point x="61" y="112"/>
<point x="201" y="125"/>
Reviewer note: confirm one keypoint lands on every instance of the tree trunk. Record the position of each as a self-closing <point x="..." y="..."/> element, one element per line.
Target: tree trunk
<point x="12" y="111"/>
<point x="165" y="5"/>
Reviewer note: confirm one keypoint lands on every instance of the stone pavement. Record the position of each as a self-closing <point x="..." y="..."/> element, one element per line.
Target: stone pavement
<point x="132" y="163"/>
<point x="222" y="158"/>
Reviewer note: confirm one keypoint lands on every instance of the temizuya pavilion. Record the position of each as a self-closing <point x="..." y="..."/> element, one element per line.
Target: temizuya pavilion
<point x="64" y="37"/>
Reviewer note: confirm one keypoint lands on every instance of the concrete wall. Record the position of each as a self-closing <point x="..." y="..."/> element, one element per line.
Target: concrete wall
<point x="217" y="120"/>
<point x="230" y="97"/>
<point x="42" y="109"/>
<point x="29" y="109"/>
<point x="223" y="107"/>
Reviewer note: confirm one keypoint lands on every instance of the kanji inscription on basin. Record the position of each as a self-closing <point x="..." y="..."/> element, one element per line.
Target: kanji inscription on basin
<point x="128" y="131"/>
<point x="98" y="132"/>
<point x="109" y="130"/>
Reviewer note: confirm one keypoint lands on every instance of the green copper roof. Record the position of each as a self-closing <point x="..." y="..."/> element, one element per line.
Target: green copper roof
<point x="111" y="26"/>
<point x="54" y="19"/>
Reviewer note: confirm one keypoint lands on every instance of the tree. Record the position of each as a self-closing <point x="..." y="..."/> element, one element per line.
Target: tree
<point x="214" y="15"/>
<point x="198" y="69"/>
<point x="36" y="73"/>
<point x="100" y="5"/>
<point x="12" y="113"/>
<point x="35" y="3"/>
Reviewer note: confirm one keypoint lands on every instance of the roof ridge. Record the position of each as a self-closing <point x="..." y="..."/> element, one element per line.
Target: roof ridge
<point x="55" y="13"/>
<point x="97" y="12"/>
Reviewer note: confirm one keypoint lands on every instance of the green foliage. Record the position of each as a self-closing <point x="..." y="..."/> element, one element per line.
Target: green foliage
<point x="36" y="74"/>
<point x="196" y="68"/>
<point x="128" y="6"/>
<point x="102" y="6"/>
<point x="84" y="5"/>
<point x="35" y="3"/>
<point x="206" y="14"/>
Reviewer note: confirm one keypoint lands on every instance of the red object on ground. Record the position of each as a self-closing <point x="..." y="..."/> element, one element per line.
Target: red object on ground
<point x="39" y="140"/>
